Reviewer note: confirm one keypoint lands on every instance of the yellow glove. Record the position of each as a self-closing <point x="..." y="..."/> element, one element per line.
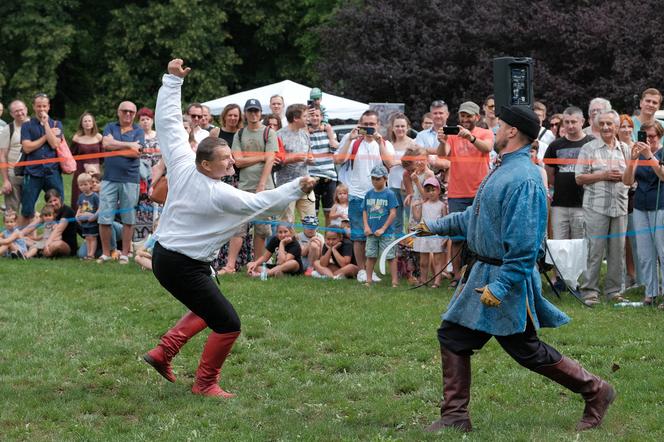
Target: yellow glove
<point x="423" y="230"/>
<point x="487" y="297"/>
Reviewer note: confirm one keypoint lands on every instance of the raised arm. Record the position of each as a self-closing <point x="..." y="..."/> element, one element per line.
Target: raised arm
<point x="173" y="138"/>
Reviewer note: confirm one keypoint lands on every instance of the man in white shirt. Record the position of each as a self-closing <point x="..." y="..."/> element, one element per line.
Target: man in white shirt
<point x="359" y="151"/>
<point x="190" y="234"/>
<point x="195" y="112"/>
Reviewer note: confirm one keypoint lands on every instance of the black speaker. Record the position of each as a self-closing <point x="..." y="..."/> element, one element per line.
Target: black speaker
<point x="513" y="82"/>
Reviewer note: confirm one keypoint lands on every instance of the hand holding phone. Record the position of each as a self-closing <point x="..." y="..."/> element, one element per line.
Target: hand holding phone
<point x="642" y="136"/>
<point x="451" y="130"/>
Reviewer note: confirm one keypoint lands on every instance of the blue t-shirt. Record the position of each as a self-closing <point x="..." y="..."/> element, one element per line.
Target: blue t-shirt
<point x="121" y="169"/>
<point x="31" y="131"/>
<point x="645" y="197"/>
<point x="88" y="204"/>
<point x="378" y="206"/>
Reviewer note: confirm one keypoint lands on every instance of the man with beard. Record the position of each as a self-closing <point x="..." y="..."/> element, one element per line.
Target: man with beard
<point x="190" y="234"/>
<point x="502" y="295"/>
<point x="469" y="154"/>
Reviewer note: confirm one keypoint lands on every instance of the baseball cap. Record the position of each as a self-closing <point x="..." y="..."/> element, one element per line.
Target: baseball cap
<point x="315" y="94"/>
<point x="432" y="181"/>
<point x="379" y="171"/>
<point x="523" y="118"/>
<point x="252" y="104"/>
<point x="309" y="221"/>
<point x="470" y="108"/>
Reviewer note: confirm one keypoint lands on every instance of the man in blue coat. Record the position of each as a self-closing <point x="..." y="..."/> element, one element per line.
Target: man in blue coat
<point x="502" y="293"/>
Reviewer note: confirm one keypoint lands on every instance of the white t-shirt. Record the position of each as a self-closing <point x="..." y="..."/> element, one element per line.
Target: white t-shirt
<point x="358" y="178"/>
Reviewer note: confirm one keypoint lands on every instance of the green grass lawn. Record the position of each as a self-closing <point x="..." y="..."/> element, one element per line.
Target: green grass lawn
<point x="317" y="360"/>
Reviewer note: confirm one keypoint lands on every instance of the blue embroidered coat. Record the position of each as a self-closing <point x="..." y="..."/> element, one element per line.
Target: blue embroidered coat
<point x="507" y="221"/>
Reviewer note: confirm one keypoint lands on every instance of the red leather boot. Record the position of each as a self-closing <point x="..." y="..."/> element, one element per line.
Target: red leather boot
<point x="170" y="344"/>
<point x="214" y="354"/>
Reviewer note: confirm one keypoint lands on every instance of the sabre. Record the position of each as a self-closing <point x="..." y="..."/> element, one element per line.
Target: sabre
<point x="390" y="246"/>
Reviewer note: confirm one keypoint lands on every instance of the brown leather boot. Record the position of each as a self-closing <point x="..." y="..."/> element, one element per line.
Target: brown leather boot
<point x="214" y="354"/>
<point x="597" y="393"/>
<point x="170" y="344"/>
<point x="456" y="393"/>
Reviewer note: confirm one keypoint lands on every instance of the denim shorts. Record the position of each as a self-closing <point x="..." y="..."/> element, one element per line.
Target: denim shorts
<point x="355" y="217"/>
<point x="90" y="229"/>
<point x="376" y="245"/>
<point x="117" y="198"/>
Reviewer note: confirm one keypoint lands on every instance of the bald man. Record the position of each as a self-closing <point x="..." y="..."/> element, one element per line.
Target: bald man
<point x="119" y="186"/>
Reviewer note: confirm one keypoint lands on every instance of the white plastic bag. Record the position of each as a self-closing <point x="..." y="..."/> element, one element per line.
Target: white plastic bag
<point x="570" y="256"/>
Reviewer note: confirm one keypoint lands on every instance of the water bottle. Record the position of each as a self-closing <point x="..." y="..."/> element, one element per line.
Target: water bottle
<point x="264" y="272"/>
<point x="628" y="304"/>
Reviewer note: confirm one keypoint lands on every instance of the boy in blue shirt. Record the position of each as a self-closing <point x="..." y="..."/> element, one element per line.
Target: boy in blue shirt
<point x="379" y="209"/>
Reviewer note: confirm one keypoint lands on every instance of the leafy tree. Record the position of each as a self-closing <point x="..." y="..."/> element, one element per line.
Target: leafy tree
<point x="36" y="37"/>
<point x="414" y="52"/>
<point x="141" y="39"/>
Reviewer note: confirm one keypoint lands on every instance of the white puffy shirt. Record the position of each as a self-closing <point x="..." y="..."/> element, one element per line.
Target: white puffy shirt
<point x="201" y="213"/>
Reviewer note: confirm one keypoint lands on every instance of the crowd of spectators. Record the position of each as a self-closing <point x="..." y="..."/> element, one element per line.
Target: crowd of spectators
<point x="374" y="184"/>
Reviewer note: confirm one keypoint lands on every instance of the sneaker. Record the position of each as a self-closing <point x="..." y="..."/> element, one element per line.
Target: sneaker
<point x="362" y="276"/>
<point x="103" y="258"/>
<point x="124" y="259"/>
<point x="340" y="276"/>
<point x="315" y="274"/>
<point x="309" y="271"/>
<point x="374" y="277"/>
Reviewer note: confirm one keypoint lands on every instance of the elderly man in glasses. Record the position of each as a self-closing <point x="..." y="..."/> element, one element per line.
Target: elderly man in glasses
<point x="40" y="137"/>
<point x="198" y="121"/>
<point x="119" y="186"/>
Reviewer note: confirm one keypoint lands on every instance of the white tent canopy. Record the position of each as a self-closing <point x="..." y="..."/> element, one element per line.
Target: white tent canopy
<point x="336" y="107"/>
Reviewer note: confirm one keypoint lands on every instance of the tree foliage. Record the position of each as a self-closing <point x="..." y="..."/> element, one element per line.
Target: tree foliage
<point x="94" y="53"/>
<point x="413" y="52"/>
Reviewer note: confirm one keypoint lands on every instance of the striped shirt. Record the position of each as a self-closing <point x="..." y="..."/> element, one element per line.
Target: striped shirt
<point x="607" y="198"/>
<point x="323" y="162"/>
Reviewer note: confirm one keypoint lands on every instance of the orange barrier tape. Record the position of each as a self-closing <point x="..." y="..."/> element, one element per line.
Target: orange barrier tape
<point x="546" y="161"/>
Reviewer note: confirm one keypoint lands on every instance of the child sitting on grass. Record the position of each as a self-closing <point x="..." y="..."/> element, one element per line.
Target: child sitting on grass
<point x="379" y="209"/>
<point x="288" y="251"/>
<point x="86" y="215"/>
<point x="12" y="243"/>
<point x="337" y="260"/>
<point x="311" y="243"/>
<point x="47" y="221"/>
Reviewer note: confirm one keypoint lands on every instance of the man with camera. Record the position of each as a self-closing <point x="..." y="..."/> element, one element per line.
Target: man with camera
<point x="468" y="148"/>
<point x="359" y="151"/>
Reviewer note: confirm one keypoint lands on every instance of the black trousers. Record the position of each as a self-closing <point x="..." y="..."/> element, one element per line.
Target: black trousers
<point x="525" y="348"/>
<point x="190" y="282"/>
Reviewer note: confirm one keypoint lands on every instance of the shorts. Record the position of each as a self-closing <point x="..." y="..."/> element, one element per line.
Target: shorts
<point x="305" y="205"/>
<point x="459" y="204"/>
<point x="324" y="191"/>
<point x="117" y="198"/>
<point x="262" y="228"/>
<point x="376" y="244"/>
<point x="90" y="230"/>
<point x="355" y="217"/>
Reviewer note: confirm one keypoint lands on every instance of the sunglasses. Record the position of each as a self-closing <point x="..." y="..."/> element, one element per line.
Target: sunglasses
<point x="127" y="111"/>
<point x="194" y="116"/>
<point x="40" y="95"/>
